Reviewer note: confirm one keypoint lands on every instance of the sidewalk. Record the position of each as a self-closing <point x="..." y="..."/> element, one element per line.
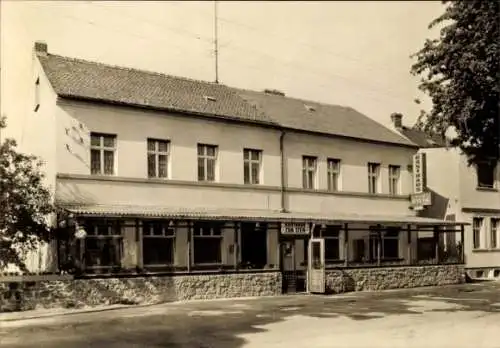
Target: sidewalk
<point x="52" y="312"/>
<point x="58" y="312"/>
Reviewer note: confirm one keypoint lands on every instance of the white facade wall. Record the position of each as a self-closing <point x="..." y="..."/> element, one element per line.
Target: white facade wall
<point x="131" y="186"/>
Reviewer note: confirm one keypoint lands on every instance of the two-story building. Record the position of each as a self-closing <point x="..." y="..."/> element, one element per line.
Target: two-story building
<point x="215" y="191"/>
<point x="459" y="191"/>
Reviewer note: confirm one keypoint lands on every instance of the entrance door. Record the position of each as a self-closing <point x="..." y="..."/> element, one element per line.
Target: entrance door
<point x="316" y="269"/>
<point x="293" y="279"/>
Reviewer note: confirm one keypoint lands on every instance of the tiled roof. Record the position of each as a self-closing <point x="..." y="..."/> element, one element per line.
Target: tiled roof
<point x="239" y="214"/>
<point x="421" y="138"/>
<point x="89" y="80"/>
<point x="322" y="118"/>
<point x="95" y="81"/>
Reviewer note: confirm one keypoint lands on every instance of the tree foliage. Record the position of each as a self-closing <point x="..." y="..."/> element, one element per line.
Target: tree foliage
<point x="460" y="72"/>
<point x="25" y="203"/>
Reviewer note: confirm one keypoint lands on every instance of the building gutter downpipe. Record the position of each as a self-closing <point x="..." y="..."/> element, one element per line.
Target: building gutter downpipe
<point x="283" y="172"/>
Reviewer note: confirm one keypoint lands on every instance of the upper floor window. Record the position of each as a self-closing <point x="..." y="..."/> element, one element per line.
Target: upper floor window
<point x="158" y="158"/>
<point x="102" y="153"/>
<point x="251" y="166"/>
<point x="333" y="174"/>
<point x="373" y="177"/>
<point x="486" y="174"/>
<point x="394" y="176"/>
<point x="207" y="159"/>
<point x="477" y="226"/>
<point x="309" y="172"/>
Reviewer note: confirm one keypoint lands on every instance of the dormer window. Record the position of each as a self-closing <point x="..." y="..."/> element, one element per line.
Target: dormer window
<point x="209" y="98"/>
<point x="37" y="94"/>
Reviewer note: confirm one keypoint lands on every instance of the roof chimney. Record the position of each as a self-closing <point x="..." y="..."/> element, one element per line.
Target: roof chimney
<point x="40" y="48"/>
<point x="397" y="120"/>
<point x="274" y="91"/>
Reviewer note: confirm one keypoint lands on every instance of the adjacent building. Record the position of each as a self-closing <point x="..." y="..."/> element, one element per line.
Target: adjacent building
<point x="457" y="191"/>
<point x="216" y="191"/>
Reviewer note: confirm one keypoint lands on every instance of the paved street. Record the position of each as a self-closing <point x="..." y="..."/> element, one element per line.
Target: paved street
<point x="454" y="316"/>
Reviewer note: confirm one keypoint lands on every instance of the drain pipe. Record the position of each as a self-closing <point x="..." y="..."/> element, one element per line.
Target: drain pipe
<point x="283" y="172"/>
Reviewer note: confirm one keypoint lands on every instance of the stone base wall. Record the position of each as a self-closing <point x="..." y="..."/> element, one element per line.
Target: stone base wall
<point x="67" y="293"/>
<point x="144" y="290"/>
<point x="361" y="279"/>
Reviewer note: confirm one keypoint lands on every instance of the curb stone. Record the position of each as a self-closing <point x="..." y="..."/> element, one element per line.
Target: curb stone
<point x="49" y="314"/>
<point x="62" y="313"/>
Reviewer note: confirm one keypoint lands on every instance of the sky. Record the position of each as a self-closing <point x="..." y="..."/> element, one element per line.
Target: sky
<point x="348" y="53"/>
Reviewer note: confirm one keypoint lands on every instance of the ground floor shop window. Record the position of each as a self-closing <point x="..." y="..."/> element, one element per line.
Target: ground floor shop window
<point x="158" y="242"/>
<point x="477" y="227"/>
<point x="331" y="236"/>
<point x="103" y="243"/>
<point x="253" y="245"/>
<point x="207" y="243"/>
<point x="373" y="244"/>
<point x="494" y="231"/>
<point x="359" y="254"/>
<point x="426" y="249"/>
<point x="332" y="243"/>
<point x="388" y="240"/>
<point x="390" y="243"/>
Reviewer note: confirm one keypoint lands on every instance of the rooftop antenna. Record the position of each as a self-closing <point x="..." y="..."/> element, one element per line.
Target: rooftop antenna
<point x="216" y="44"/>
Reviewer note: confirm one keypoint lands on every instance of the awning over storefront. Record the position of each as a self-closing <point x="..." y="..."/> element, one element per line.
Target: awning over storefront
<point x="142" y="211"/>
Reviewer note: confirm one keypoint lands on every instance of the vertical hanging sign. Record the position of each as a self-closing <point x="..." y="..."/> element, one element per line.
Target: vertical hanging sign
<point x="421" y="197"/>
<point x="419" y="173"/>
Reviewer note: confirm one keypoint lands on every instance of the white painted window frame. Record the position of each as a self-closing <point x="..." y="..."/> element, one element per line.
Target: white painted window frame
<point x="373" y="177"/>
<point x="478" y="230"/>
<point x="205" y="157"/>
<point x="495" y="232"/>
<point x="251" y="163"/>
<point x="394" y="179"/>
<point x="102" y="149"/>
<point x="309" y="171"/>
<point x="157" y="153"/>
<point x="333" y="174"/>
